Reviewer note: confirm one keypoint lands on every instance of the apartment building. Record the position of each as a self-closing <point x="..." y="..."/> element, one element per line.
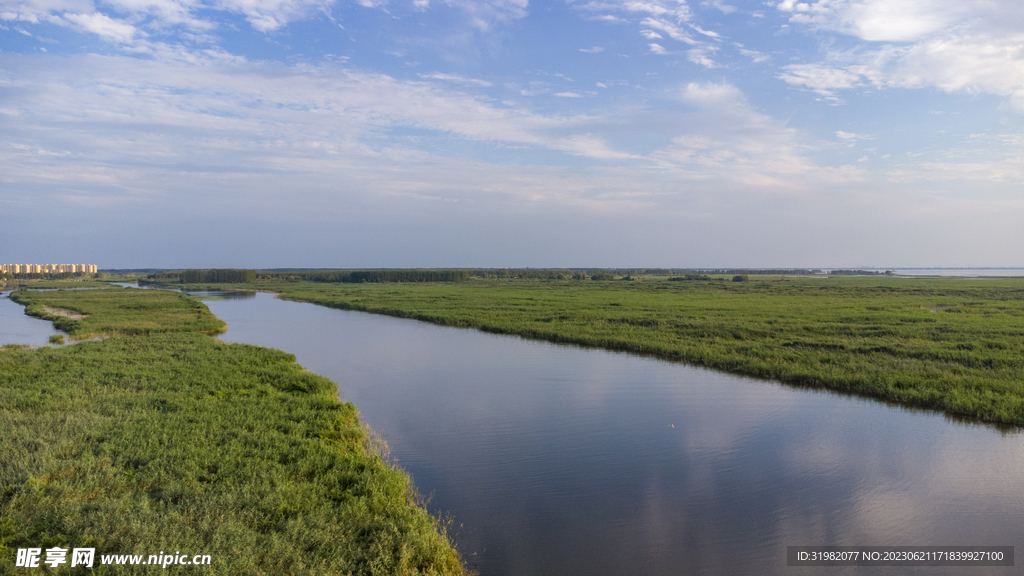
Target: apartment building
<point x="48" y="268"/>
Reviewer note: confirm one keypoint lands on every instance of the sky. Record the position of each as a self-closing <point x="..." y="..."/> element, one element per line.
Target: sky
<point x="510" y="133"/>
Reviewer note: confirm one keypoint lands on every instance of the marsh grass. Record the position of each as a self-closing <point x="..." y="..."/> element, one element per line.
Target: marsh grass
<point x="15" y="346"/>
<point x="172" y="440"/>
<point x="128" y="311"/>
<point x="954" y="345"/>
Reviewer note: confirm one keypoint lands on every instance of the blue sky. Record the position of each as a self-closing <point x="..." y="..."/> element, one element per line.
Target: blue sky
<point x="402" y="133"/>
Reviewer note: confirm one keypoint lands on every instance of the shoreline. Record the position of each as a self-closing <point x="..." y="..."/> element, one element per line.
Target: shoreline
<point x="181" y="415"/>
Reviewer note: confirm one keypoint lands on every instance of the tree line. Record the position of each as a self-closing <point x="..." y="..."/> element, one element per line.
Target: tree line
<point x="213" y="276"/>
<point x="358" y="276"/>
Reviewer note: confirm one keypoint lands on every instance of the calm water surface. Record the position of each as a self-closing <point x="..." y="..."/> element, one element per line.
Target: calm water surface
<point x="555" y="460"/>
<point x="560" y="460"/>
<point x="17" y="328"/>
<point x="963" y="272"/>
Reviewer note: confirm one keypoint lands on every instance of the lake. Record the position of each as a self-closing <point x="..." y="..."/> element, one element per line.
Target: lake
<point x="554" y="459"/>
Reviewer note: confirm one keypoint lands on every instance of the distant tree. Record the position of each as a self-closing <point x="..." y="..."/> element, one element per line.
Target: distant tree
<point x="741" y="278"/>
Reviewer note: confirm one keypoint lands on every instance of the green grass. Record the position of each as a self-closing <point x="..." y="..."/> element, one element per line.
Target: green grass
<point x="949" y="344"/>
<point x="176" y="441"/>
<point x="119" y="311"/>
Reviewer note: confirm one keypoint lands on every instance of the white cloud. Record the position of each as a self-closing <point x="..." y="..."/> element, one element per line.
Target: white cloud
<point x="592" y="147"/>
<point x="674" y="32"/>
<point x="954" y="46"/>
<point x="269" y="15"/>
<point x="126" y="125"/>
<point x="660" y="17"/>
<point x="721" y="5"/>
<point x="850" y="136"/>
<point x="702" y="56"/>
<point x="263" y="15"/>
<point x="657" y="48"/>
<point x="820" y="78"/>
<point x="103" y="26"/>
<point x="455" y="78"/>
<point x="754" y="54"/>
<point x="165" y="12"/>
<point x="677" y="9"/>
<point x="875" y="20"/>
<point x="593" y="50"/>
<point x="707" y="33"/>
<point x="224" y="108"/>
<point x="36" y="11"/>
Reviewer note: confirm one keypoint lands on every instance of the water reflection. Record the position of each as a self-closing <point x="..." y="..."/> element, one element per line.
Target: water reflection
<point x="558" y="460"/>
<point x="17" y="328"/>
<point x="206" y="295"/>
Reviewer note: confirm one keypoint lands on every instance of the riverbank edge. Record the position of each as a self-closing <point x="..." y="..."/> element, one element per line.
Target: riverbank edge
<point x="639" y="349"/>
<point x="71" y="324"/>
<point x="367" y="443"/>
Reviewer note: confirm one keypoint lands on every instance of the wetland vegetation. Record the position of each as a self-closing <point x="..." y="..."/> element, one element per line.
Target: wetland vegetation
<point x="118" y="311"/>
<point x="160" y="437"/>
<point x="955" y="345"/>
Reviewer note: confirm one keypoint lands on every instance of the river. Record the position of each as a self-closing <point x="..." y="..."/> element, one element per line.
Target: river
<point x="553" y="459"/>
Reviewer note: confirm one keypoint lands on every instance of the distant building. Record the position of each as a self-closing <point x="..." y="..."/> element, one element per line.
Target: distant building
<point x="48" y="268"/>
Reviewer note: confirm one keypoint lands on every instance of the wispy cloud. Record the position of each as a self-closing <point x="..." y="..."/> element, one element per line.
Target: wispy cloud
<point x="721" y="5"/>
<point x="850" y="136"/>
<point x="484" y="14"/>
<point x="455" y="78"/>
<point x="103" y="26"/>
<point x="657" y="48"/>
<point x="823" y="79"/>
<point x="702" y="56"/>
<point x="671" y="30"/>
<point x="730" y="139"/>
<point x="754" y="55"/>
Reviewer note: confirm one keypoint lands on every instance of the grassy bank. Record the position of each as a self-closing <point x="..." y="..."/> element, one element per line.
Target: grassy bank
<point x="118" y="311"/>
<point x="949" y="344"/>
<point x="175" y="441"/>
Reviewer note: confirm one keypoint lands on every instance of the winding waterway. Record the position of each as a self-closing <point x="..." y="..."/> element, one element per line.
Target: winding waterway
<point x="560" y="460"/>
<point x="17" y="328"/>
